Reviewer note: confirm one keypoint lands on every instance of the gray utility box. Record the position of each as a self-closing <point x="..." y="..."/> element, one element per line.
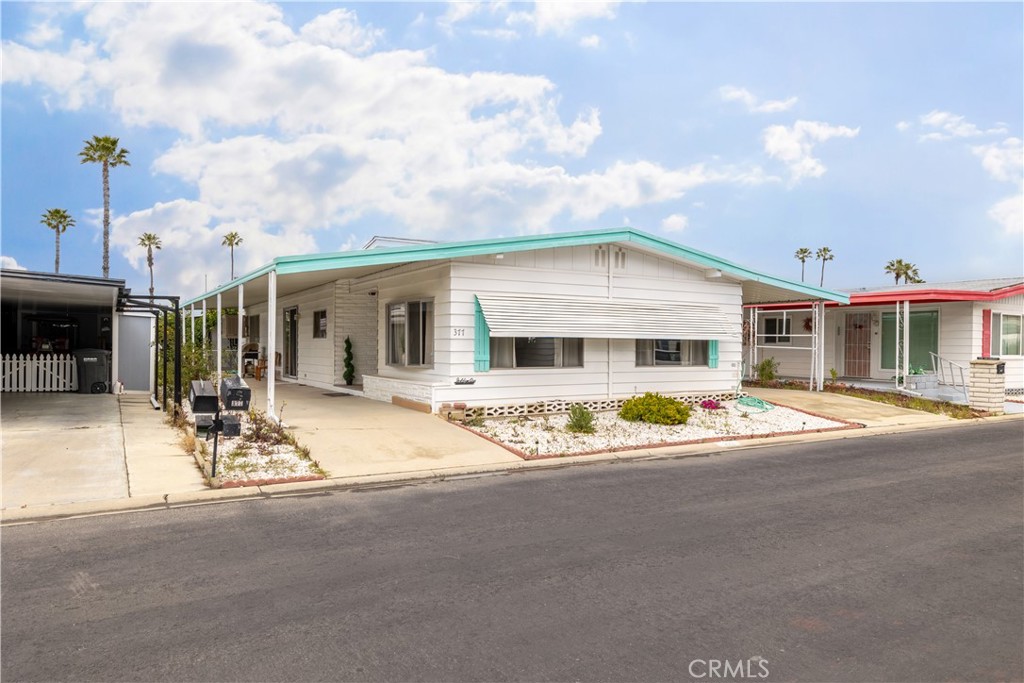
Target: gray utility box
<point x="93" y="371"/>
<point x="202" y="396"/>
<point x="235" y="393"/>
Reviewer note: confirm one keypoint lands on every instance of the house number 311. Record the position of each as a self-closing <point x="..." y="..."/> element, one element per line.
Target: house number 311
<point x="459" y="331"/>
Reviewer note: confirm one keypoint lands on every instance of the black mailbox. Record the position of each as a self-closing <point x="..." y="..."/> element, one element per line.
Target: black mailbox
<point x="232" y="425"/>
<point x="203" y="423"/>
<point x="202" y="397"/>
<point x="1000" y="368"/>
<point x="235" y="393"/>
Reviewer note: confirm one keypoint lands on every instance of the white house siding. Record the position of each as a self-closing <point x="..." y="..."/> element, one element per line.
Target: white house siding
<point x="1014" y="364"/>
<point x="315" y="356"/>
<point x="355" y="313"/>
<point x="412" y="282"/>
<point x="576" y="272"/>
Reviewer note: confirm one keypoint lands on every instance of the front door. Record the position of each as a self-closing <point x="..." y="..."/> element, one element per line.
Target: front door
<point x="858" y="345"/>
<point x="291" y="343"/>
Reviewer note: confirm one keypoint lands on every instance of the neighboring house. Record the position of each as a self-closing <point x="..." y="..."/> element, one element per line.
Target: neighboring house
<point x="949" y="323"/>
<point x="542" y="320"/>
<point x="46" y="317"/>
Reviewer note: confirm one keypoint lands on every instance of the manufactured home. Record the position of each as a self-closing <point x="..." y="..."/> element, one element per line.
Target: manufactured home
<point x="510" y="324"/>
<point x="947" y="326"/>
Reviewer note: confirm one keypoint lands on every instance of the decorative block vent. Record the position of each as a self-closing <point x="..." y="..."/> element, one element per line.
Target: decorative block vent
<point x="1015" y="392"/>
<point x="563" y="405"/>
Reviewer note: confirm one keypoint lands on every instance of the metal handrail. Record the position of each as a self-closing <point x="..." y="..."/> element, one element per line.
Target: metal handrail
<point x="940" y="365"/>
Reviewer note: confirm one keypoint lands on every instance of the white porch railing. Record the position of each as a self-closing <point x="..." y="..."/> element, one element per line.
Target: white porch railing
<point x="43" y="372"/>
<point x="949" y="372"/>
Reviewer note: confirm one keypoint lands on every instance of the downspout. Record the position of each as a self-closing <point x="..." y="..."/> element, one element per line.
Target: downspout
<point x="271" y="342"/>
<point x="115" y="348"/>
<point x="241" y="312"/>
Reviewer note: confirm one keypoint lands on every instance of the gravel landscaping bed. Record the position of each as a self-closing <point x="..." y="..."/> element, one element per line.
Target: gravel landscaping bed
<point x="547" y="436"/>
<point x="263" y="454"/>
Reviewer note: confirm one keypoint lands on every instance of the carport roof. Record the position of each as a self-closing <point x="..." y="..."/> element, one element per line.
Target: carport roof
<point x="56" y="288"/>
<point x="297" y="273"/>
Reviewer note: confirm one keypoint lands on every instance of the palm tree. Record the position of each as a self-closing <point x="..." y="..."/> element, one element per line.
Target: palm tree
<point x="897" y="268"/>
<point x="150" y="241"/>
<point x="801" y="255"/>
<point x="104" y="150"/>
<point x="824" y="254"/>
<point x="912" y="276"/>
<point x="57" y="220"/>
<point x="232" y="240"/>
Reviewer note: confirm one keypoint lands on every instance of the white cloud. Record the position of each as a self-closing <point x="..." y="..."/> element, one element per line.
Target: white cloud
<point x="317" y="129"/>
<point x="560" y="17"/>
<point x="458" y="12"/>
<point x="591" y="41"/>
<point x="1009" y="213"/>
<point x="1003" y="161"/>
<point x="731" y="93"/>
<point x="674" y="223"/>
<point x="903" y="126"/>
<point x="10" y="263"/>
<point x="340" y="28"/>
<point x="945" y="125"/>
<point x="794" y="145"/>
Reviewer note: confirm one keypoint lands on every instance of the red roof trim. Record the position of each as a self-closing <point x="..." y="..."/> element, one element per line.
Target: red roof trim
<point x="913" y="296"/>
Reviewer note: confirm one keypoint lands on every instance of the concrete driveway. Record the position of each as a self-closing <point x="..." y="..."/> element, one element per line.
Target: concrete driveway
<point x="73" y="448"/>
<point x="353" y="436"/>
<point x="62" y="448"/>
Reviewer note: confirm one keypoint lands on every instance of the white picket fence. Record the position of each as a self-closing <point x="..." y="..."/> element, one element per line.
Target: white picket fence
<point x="44" y="372"/>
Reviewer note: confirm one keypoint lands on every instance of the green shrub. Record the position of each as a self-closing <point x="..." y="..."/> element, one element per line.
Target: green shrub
<point x="581" y="420"/>
<point x="767" y="369"/>
<point x="655" y="409"/>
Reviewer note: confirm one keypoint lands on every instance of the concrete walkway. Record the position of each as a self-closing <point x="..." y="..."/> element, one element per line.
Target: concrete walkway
<point x="868" y="413"/>
<point x="354" y="436"/>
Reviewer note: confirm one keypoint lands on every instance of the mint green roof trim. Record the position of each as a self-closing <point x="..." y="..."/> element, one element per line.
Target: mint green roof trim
<point x="308" y="263"/>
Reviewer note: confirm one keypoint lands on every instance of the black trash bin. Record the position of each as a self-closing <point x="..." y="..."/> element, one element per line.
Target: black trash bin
<point x="93" y="371"/>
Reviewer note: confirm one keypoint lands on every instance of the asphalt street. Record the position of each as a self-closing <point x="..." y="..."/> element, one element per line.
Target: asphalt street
<point x="895" y="558"/>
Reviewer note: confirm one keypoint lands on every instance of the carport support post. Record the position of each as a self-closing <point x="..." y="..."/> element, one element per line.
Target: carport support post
<point x="241" y="312"/>
<point x="163" y="406"/>
<point x="177" y="357"/>
<point x="156" y="355"/>
<point x="271" y="339"/>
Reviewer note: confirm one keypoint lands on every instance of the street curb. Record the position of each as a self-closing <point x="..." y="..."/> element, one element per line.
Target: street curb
<point x="358" y="483"/>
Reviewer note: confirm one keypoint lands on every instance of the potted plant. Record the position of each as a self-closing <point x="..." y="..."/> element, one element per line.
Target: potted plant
<point x="350" y="370"/>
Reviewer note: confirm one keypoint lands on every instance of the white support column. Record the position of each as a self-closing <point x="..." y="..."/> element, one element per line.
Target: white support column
<point x="271" y="340"/>
<point x="220" y="369"/>
<point x="192" y="323"/>
<point x="754" y="314"/>
<point x="202" y="333"/>
<point x="241" y="313"/>
<point x="906" y="342"/>
<point x="812" y="380"/>
<point x="820" y="331"/>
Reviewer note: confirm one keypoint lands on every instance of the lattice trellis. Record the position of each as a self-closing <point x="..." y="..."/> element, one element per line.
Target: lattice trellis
<point x="563" y="405"/>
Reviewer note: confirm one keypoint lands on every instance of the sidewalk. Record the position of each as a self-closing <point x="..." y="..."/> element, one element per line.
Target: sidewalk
<point x="367" y="444"/>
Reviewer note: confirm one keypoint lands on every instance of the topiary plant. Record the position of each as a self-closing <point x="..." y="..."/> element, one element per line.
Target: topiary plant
<point x="350" y="369"/>
<point x="581" y="420"/>
<point x="655" y="409"/>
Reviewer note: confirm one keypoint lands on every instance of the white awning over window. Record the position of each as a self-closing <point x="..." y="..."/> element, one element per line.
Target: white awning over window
<point x="525" y="316"/>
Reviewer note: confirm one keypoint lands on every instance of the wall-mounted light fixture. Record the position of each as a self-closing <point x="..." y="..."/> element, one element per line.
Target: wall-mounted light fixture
<point x="712" y="274"/>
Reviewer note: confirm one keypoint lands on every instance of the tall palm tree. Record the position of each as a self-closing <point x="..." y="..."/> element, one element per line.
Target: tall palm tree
<point x="57" y="220"/>
<point x="104" y="150"/>
<point x="912" y="276"/>
<point x="824" y="254"/>
<point x="801" y="255"/>
<point x="150" y="241"/>
<point x="232" y="240"/>
<point x="897" y="268"/>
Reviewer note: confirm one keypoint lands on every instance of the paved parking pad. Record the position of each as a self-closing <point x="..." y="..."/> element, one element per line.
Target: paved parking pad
<point x="61" y="448"/>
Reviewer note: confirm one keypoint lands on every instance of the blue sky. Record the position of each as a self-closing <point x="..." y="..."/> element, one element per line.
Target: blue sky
<point x="746" y="130"/>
